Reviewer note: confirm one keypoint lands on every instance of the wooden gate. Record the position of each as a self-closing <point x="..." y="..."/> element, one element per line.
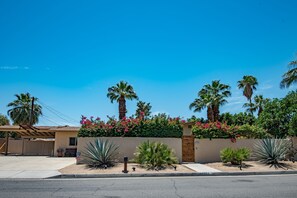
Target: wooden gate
<point x="188" y="148"/>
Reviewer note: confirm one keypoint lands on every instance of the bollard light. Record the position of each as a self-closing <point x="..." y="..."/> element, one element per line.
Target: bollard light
<point x="240" y="166"/>
<point x="174" y="168"/>
<point x="125" y="165"/>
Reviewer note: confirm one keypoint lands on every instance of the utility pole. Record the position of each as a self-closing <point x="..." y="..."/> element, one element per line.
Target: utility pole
<point x="32" y="111"/>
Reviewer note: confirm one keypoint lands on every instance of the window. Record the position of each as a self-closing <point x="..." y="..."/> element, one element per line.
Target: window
<point x="72" y="141"/>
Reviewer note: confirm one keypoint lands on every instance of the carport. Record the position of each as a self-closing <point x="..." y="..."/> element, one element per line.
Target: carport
<point x="38" y="140"/>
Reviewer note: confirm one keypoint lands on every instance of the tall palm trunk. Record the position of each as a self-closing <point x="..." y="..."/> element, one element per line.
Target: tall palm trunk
<point x="251" y="112"/>
<point x="216" y="113"/>
<point x="210" y="116"/>
<point x="122" y="107"/>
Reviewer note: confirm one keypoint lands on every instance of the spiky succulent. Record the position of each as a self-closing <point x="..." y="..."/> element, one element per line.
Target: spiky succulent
<point x="100" y="153"/>
<point x="154" y="155"/>
<point x="271" y="151"/>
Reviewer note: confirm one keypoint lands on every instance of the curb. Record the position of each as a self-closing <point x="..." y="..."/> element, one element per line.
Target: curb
<point x="66" y="176"/>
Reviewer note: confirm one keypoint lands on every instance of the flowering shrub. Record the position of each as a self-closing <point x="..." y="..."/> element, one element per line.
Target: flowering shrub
<point x="158" y="126"/>
<point x="222" y="130"/>
<point x="215" y="130"/>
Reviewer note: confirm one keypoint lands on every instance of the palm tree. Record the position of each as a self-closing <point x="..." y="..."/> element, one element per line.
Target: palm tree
<point x="250" y="107"/>
<point x="120" y="93"/>
<point x="143" y="109"/>
<point x="290" y="76"/>
<point x="211" y="96"/>
<point x="248" y="84"/>
<point x="203" y="101"/>
<point x="260" y="102"/>
<point x="258" y="105"/>
<point x="20" y="111"/>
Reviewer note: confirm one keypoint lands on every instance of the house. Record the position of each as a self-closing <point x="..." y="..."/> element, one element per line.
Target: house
<point x="40" y="140"/>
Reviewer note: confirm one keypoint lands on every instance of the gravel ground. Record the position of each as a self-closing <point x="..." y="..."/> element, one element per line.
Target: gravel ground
<point x="117" y="169"/>
<point x="252" y="166"/>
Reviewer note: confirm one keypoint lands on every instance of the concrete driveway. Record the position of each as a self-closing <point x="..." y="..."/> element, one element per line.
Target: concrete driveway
<point x="32" y="166"/>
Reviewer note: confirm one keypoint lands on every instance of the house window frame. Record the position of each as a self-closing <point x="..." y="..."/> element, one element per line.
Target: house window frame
<point x="75" y="141"/>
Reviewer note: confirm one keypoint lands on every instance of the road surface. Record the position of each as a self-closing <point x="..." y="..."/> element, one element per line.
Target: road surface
<point x="280" y="186"/>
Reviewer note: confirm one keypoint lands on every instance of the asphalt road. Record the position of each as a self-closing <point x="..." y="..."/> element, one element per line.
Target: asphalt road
<point x="280" y="186"/>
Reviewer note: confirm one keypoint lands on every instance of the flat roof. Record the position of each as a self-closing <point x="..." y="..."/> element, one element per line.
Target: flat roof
<point x="38" y="131"/>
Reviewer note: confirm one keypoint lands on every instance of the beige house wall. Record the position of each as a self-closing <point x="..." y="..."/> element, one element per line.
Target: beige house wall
<point x="127" y="145"/>
<point x="62" y="140"/>
<point x="209" y="150"/>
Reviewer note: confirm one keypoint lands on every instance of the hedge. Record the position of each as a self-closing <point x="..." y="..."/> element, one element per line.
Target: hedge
<point x="131" y="127"/>
<point x="222" y="130"/>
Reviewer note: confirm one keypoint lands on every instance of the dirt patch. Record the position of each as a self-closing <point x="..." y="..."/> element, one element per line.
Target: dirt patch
<point x="117" y="169"/>
<point x="252" y="166"/>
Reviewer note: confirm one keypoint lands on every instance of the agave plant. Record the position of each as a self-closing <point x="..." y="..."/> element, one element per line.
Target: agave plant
<point x="271" y="151"/>
<point x="100" y="153"/>
<point x="154" y="155"/>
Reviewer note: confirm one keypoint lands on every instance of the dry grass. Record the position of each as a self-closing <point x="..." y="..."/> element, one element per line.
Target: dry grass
<point x="117" y="169"/>
<point x="252" y="166"/>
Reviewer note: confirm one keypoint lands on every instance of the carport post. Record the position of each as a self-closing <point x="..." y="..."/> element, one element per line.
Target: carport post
<point x="6" y="146"/>
<point x="23" y="146"/>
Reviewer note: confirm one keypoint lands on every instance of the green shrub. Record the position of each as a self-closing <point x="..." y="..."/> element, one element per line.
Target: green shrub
<point x="252" y="131"/>
<point x="271" y="151"/>
<point x="235" y="156"/>
<point x="154" y="155"/>
<point x="101" y="153"/>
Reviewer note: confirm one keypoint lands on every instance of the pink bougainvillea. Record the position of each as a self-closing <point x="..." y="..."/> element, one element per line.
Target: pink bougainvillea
<point x="215" y="130"/>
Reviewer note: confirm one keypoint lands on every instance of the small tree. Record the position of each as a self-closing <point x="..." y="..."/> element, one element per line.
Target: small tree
<point x="278" y="116"/>
<point x="3" y="121"/>
<point x="143" y="109"/>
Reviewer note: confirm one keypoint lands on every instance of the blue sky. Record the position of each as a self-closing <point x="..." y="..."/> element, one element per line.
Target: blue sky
<point x="67" y="53"/>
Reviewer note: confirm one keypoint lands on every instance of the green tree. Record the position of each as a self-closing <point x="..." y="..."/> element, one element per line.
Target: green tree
<point x="195" y="119"/>
<point x="143" y="109"/>
<point x="227" y="118"/>
<point x="3" y="121"/>
<point x="243" y="118"/>
<point x="238" y="118"/>
<point x="290" y="77"/>
<point x="21" y="109"/>
<point x="211" y="96"/>
<point x="120" y="93"/>
<point x="279" y="115"/>
<point x="248" y="84"/>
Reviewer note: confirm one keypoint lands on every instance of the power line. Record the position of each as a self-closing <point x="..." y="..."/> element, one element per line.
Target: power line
<point x="50" y="120"/>
<point x="59" y="114"/>
<point x="56" y="111"/>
